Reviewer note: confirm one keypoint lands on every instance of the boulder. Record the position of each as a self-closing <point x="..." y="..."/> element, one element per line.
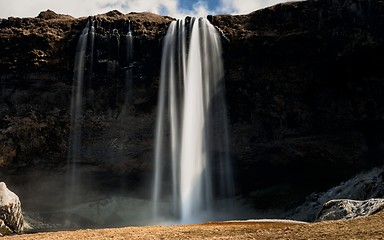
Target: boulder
<point x="11" y="217"/>
<point x="4" y="230"/>
<point x="349" y="209"/>
<point x="366" y="185"/>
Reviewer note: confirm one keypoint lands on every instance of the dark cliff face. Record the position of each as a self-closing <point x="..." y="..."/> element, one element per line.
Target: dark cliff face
<point x="304" y="84"/>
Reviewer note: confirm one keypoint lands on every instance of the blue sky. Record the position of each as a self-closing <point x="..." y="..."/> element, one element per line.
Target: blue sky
<point x="188" y="4"/>
<point x="174" y="8"/>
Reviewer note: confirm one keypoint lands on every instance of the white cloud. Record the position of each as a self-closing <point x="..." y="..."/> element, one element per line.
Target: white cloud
<point x="22" y="8"/>
<point x="77" y="8"/>
<point x="199" y="9"/>
<point x="155" y="6"/>
<point x="245" y="6"/>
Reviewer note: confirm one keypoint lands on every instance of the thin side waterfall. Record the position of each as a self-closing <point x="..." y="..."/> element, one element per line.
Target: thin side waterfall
<point x="192" y="165"/>
<point x="91" y="43"/>
<point x="122" y="125"/>
<point x="79" y="72"/>
<point x="128" y="72"/>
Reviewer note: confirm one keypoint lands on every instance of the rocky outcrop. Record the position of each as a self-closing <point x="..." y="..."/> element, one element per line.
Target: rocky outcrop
<point x="368" y="185"/>
<point x="347" y="209"/>
<point x="11" y="217"/>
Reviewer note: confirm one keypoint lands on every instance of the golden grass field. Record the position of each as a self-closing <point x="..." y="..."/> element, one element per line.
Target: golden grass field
<point x="371" y="227"/>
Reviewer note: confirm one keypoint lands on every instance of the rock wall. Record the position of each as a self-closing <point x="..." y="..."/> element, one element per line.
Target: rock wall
<point x="304" y="92"/>
<point x="303" y="84"/>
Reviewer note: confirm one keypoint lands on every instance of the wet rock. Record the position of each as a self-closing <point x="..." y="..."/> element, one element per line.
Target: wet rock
<point x="11" y="217"/>
<point x="349" y="209"/>
<point x="367" y="185"/>
<point x="4" y="229"/>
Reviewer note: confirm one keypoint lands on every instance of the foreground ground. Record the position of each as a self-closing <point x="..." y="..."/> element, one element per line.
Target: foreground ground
<point x="364" y="228"/>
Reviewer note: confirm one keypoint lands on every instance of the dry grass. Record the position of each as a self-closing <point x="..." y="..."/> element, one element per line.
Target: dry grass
<point x="364" y="228"/>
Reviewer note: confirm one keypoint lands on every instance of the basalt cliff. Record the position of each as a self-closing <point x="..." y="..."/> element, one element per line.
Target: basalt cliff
<point x="304" y="92"/>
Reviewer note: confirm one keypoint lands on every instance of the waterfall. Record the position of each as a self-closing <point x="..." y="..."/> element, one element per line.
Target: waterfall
<point x="128" y="72"/>
<point x="74" y="150"/>
<point x="192" y="166"/>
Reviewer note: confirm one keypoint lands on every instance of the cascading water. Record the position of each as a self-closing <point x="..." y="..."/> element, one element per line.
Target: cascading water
<point x="74" y="155"/>
<point x="128" y="72"/>
<point x="122" y="126"/>
<point x="191" y="162"/>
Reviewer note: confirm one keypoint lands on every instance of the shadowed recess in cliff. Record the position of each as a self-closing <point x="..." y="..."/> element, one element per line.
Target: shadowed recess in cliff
<point x="192" y="165"/>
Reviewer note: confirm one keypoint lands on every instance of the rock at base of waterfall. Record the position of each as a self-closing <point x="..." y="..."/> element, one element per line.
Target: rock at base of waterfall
<point x="4" y="229"/>
<point x="11" y="217"/>
<point x="366" y="185"/>
<point x="349" y="209"/>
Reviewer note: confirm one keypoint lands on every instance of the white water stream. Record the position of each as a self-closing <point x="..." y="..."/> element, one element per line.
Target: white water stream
<point x="192" y="167"/>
